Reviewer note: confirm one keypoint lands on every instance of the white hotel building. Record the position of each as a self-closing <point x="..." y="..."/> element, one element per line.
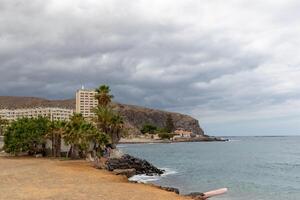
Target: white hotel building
<point x="52" y="113"/>
<point x="85" y="102"/>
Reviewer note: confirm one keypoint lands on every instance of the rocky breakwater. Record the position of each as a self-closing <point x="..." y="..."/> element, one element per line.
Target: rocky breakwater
<point x="130" y="166"/>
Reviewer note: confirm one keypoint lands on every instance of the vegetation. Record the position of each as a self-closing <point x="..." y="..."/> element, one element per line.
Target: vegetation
<point x="56" y="133"/>
<point x="169" y="128"/>
<point x="26" y="135"/>
<point x="164" y="135"/>
<point x="3" y="124"/>
<point x="148" y="128"/>
<point x="108" y="121"/>
<point x="103" y="95"/>
<point x="30" y="134"/>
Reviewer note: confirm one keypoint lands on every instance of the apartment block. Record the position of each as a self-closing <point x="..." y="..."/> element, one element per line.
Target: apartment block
<point x="85" y="102"/>
<point x="52" y="113"/>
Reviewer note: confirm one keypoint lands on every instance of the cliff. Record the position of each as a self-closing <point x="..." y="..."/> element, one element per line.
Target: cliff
<point x="134" y="116"/>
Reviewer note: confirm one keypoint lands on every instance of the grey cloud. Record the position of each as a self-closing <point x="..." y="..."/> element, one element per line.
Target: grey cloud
<point x="188" y="61"/>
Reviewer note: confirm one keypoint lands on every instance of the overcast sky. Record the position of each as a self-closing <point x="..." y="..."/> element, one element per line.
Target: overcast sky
<point x="234" y="65"/>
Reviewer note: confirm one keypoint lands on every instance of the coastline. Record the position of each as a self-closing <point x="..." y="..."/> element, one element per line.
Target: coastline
<point x="149" y="141"/>
<point x="42" y="178"/>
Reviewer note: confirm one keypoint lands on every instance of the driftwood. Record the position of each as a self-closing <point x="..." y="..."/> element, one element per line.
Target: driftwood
<point x="206" y="195"/>
<point x="214" y="193"/>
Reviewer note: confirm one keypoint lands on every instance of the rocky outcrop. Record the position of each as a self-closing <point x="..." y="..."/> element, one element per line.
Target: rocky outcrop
<point x="134" y="116"/>
<point x="127" y="162"/>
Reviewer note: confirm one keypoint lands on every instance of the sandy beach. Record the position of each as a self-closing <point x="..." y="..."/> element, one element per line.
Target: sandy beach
<point x="35" y="179"/>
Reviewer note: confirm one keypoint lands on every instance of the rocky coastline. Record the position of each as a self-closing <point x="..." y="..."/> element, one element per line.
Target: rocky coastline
<point x="129" y="166"/>
<point x="147" y="140"/>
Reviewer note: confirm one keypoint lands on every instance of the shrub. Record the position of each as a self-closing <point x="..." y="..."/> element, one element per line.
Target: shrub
<point x="165" y="135"/>
<point x="148" y="128"/>
<point x="26" y="135"/>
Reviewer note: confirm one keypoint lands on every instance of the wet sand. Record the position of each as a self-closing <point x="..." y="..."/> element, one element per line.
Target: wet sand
<point x="36" y="179"/>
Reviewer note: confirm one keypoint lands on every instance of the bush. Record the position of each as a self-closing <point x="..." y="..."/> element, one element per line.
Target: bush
<point x="148" y="128"/>
<point x="165" y="135"/>
<point x="26" y="135"/>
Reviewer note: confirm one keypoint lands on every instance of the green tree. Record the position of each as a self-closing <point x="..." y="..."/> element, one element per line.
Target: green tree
<point x="3" y="124"/>
<point x="169" y="128"/>
<point x="80" y="134"/>
<point x="26" y="135"/>
<point x="164" y="135"/>
<point x="76" y="135"/>
<point x="148" y="128"/>
<point x="109" y="122"/>
<point x="56" y="133"/>
<point x="103" y="95"/>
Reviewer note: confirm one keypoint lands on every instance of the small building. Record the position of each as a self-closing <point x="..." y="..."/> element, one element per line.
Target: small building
<point x="181" y="133"/>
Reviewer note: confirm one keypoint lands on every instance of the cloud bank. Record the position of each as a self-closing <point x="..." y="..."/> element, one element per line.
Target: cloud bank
<point x="234" y="65"/>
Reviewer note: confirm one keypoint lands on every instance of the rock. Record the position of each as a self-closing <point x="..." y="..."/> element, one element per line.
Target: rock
<point x="196" y="195"/>
<point x="127" y="172"/>
<point x="130" y="162"/>
<point x="170" y="189"/>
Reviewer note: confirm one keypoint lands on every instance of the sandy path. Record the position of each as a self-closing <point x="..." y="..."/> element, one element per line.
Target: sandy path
<point x="36" y="179"/>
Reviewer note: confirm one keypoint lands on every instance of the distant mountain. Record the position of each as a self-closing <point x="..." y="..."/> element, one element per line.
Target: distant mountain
<point x="14" y="102"/>
<point x="134" y="116"/>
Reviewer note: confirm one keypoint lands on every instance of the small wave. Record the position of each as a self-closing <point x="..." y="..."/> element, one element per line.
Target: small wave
<point x="143" y="178"/>
<point x="168" y="171"/>
<point x="233" y="140"/>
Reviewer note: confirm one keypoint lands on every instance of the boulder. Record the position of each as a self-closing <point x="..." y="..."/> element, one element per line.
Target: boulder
<point x="170" y="189"/>
<point x="196" y="196"/>
<point x="126" y="172"/>
<point x="130" y="162"/>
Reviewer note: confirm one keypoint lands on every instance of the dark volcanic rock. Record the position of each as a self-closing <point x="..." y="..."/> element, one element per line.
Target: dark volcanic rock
<point x="170" y="189"/>
<point x="196" y="195"/>
<point x="130" y="162"/>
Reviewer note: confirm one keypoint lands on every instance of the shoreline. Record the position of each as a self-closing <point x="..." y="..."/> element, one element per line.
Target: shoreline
<point x="45" y="178"/>
<point x="150" y="141"/>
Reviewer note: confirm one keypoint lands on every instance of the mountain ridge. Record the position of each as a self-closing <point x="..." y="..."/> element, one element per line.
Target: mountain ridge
<point x="134" y="116"/>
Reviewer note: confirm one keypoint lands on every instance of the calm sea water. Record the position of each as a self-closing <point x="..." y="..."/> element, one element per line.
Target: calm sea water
<point x="260" y="168"/>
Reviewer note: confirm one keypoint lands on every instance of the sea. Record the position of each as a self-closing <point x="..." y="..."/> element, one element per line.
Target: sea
<point x="260" y="168"/>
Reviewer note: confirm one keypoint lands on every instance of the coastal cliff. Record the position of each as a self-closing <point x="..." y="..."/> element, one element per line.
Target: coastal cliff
<point x="134" y="116"/>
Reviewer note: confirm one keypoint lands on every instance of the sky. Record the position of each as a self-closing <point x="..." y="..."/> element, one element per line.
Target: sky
<point x="233" y="65"/>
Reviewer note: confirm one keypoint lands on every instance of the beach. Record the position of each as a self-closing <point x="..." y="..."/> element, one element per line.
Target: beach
<point x="38" y="178"/>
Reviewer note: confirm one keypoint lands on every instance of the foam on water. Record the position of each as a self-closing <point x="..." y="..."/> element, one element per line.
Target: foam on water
<point x="143" y="178"/>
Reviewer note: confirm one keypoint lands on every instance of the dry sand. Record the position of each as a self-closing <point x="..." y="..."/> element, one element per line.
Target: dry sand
<point x="36" y="179"/>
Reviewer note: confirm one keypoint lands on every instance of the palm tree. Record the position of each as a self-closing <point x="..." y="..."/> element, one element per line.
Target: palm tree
<point x="73" y="135"/>
<point x="103" y="95"/>
<point x="109" y="123"/>
<point x="79" y="134"/>
<point x="57" y="131"/>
